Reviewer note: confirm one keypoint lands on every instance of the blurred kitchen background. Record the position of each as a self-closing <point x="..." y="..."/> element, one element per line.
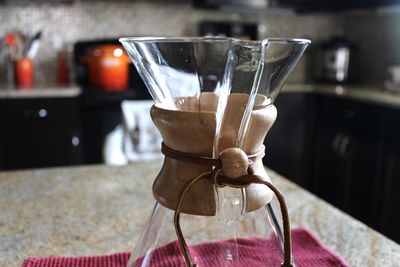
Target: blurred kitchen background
<point x="338" y="127"/>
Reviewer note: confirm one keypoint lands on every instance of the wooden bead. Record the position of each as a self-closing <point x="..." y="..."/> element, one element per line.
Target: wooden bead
<point x="234" y="162"/>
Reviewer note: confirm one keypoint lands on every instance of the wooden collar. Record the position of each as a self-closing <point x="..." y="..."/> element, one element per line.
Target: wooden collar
<point x="220" y="179"/>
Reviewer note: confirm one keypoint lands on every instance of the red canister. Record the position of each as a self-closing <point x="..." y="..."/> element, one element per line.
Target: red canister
<point x="23" y="73"/>
<point x="108" y="67"/>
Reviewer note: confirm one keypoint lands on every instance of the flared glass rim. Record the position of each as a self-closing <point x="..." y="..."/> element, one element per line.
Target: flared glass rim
<point x="173" y="39"/>
<point x="294" y="41"/>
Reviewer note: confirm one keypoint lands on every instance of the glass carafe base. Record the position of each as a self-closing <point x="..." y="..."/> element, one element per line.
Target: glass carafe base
<point x="211" y="241"/>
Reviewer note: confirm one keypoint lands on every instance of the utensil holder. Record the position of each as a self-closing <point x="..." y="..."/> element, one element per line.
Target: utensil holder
<point x="23" y="73"/>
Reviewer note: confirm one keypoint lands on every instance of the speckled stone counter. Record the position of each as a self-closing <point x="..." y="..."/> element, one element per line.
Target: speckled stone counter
<point x="69" y="91"/>
<point x="101" y="210"/>
<point x="374" y="95"/>
<point x="363" y="93"/>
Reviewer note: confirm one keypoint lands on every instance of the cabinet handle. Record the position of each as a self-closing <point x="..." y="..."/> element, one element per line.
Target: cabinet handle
<point x="336" y="141"/>
<point x="344" y="145"/>
<point x="36" y="113"/>
<point x="75" y="140"/>
<point x="43" y="113"/>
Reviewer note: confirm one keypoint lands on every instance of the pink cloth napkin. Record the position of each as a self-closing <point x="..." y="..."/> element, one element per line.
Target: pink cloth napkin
<point x="307" y="252"/>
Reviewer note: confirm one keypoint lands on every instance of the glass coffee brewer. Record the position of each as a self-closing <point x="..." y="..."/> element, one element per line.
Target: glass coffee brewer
<point x="214" y="106"/>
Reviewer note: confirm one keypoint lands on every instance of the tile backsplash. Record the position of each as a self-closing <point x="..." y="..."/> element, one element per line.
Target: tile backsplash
<point x="104" y="19"/>
<point x="377" y="34"/>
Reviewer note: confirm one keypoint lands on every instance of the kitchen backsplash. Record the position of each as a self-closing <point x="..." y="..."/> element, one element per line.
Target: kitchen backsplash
<point x="97" y="19"/>
<point x="378" y="35"/>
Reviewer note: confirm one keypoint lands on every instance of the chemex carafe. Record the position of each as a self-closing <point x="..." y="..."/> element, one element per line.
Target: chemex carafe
<point x="214" y="106"/>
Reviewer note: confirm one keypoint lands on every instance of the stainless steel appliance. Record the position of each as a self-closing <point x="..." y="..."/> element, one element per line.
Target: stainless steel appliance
<point x="241" y="30"/>
<point x="337" y="61"/>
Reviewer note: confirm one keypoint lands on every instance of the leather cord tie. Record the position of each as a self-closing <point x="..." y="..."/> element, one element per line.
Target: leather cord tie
<point x="228" y="171"/>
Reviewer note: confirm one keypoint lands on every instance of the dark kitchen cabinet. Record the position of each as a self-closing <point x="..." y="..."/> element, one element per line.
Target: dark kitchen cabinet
<point x="289" y="142"/>
<point x="389" y="189"/>
<point x="40" y="132"/>
<point x="344" y="151"/>
<point x="367" y="3"/>
<point x="348" y="156"/>
<point x="309" y="5"/>
<point x="335" y="5"/>
<point x="389" y="215"/>
<point x="346" y="171"/>
<point x="297" y="5"/>
<point x="330" y="166"/>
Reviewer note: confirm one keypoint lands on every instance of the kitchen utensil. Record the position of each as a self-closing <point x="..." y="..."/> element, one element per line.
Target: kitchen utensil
<point x="214" y="107"/>
<point x="108" y="68"/>
<point x="32" y="45"/>
<point x="11" y="44"/>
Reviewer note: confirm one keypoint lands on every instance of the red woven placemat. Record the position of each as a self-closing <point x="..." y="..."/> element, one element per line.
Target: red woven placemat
<point x="307" y="252"/>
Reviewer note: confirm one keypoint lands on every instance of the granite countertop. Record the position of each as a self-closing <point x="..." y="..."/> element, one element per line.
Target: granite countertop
<point x="364" y="93"/>
<point x="101" y="210"/>
<point x="40" y="92"/>
<point x="375" y="95"/>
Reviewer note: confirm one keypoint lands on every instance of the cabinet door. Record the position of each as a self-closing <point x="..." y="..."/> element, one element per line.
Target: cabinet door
<point x="346" y="169"/>
<point x="41" y="133"/>
<point x="363" y="158"/>
<point x="309" y="5"/>
<point x="367" y="3"/>
<point x="390" y="216"/>
<point x="289" y="142"/>
<point x="331" y="169"/>
<point x="2" y="130"/>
